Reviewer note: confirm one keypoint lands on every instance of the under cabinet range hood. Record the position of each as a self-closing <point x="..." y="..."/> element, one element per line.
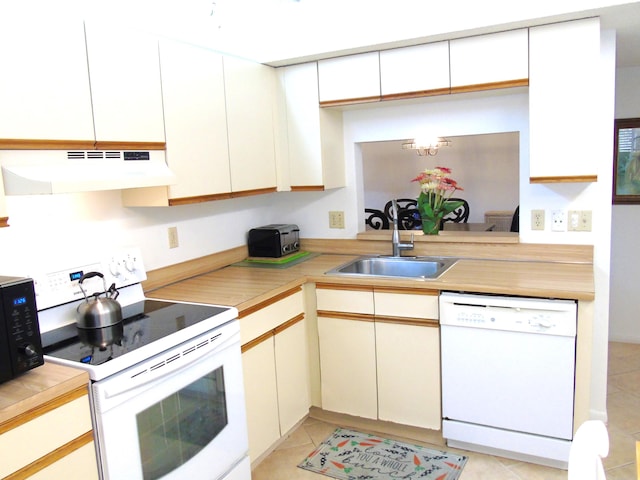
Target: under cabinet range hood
<point x="32" y="172"/>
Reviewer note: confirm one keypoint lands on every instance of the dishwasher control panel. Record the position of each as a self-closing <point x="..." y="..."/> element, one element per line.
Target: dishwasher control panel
<point x="518" y="314"/>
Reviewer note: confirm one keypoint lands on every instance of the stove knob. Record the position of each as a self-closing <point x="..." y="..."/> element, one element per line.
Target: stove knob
<point x="130" y="264"/>
<point x="114" y="268"/>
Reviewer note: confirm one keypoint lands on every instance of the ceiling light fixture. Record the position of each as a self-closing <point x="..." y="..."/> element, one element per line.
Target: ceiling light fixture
<point x="427" y="147"/>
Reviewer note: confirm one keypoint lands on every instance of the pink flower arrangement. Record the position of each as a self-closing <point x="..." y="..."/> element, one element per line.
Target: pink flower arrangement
<point x="436" y="187"/>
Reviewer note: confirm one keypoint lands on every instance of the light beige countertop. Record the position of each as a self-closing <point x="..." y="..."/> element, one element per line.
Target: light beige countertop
<point x="244" y="287"/>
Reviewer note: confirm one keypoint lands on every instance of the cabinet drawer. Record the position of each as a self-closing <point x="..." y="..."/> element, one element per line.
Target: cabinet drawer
<point x="350" y="300"/>
<point x="415" y="304"/>
<point x="270" y="316"/>
<point x="78" y="465"/>
<point x="51" y="430"/>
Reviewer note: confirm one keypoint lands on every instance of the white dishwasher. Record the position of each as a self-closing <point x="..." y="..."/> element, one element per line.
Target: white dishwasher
<point x="508" y="374"/>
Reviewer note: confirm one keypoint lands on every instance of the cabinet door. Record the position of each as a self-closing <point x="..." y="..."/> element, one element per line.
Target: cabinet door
<point x="303" y="124"/>
<point x="348" y="366"/>
<point x="314" y="135"/>
<point x="563" y="106"/>
<point x="408" y="368"/>
<point x="483" y="60"/>
<point x="292" y="369"/>
<point x="352" y="78"/>
<point x="421" y="69"/>
<point x="124" y="71"/>
<point x="250" y="98"/>
<point x="44" y="87"/>
<point x="195" y="120"/>
<point x="261" y="397"/>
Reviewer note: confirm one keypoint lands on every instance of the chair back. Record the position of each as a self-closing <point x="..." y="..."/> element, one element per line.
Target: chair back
<point x="460" y="214"/>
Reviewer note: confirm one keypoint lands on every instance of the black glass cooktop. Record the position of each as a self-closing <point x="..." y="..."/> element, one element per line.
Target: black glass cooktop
<point x="144" y="322"/>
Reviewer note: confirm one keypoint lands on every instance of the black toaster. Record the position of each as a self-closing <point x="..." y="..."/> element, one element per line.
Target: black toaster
<point x="273" y="240"/>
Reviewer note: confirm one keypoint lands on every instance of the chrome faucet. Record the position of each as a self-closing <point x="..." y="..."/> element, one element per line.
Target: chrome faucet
<point x="398" y="246"/>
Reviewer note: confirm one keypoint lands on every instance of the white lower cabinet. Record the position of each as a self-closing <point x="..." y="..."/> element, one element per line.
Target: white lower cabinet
<point x="408" y="372"/>
<point x="275" y="365"/>
<point x="65" y="450"/>
<point x="261" y="396"/>
<point x="380" y="353"/>
<point x="348" y="365"/>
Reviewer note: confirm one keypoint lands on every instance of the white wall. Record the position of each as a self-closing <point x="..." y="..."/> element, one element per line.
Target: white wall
<point x="624" y="323"/>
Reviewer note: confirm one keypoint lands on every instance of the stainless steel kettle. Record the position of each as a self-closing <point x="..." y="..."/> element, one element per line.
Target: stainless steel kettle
<point x="97" y="311"/>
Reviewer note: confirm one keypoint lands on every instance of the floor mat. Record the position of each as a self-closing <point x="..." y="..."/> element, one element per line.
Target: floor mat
<point x="351" y="455"/>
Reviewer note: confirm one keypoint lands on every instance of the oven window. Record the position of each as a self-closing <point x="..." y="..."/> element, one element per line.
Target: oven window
<point x="176" y="428"/>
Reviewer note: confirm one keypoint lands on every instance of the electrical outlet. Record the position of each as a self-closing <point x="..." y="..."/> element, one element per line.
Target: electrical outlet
<point x="173" y="237"/>
<point x="336" y="219"/>
<point x="558" y="221"/>
<point x="537" y="219"/>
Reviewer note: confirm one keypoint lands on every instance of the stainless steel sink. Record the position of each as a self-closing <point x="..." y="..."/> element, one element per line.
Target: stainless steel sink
<point x="419" y="268"/>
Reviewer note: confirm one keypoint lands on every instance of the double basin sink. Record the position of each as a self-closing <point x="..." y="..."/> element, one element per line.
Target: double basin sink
<point x="418" y="268"/>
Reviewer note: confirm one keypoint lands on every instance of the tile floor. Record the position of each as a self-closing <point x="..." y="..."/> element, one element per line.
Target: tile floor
<point x="623" y="426"/>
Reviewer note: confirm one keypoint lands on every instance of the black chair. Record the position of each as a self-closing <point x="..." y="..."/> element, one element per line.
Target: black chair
<point x="460" y="214"/>
<point x="376" y="219"/>
<point x="408" y="216"/>
<point x="515" y="220"/>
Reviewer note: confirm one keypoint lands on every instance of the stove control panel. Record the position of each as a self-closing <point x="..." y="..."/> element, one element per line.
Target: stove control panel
<point x="122" y="268"/>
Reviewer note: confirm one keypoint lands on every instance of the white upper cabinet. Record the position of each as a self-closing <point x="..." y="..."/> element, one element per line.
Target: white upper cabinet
<point x="420" y="69"/>
<point x="195" y="120"/>
<point x="250" y="99"/>
<point x="491" y="58"/>
<point x="44" y="85"/>
<point x="565" y="77"/>
<point x="314" y="136"/>
<point x="353" y="78"/>
<point x="124" y="69"/>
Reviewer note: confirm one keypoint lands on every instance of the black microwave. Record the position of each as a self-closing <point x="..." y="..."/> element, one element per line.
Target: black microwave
<point x="20" y="344"/>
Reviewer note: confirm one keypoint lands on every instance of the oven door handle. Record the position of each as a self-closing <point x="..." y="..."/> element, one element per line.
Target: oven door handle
<point x="170" y="366"/>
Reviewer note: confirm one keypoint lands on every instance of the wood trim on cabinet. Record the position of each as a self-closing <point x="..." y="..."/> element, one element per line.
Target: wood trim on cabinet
<point x="420" y="322"/>
<point x="257" y="341"/>
<point x="4" y="222"/>
<point x="271" y="333"/>
<point x="269" y="301"/>
<point x="257" y="191"/>
<point x="27" y="144"/>
<point x="21" y="419"/>
<point x="479" y="87"/>
<point x="565" y="179"/>
<point x="44" y="144"/>
<point x="416" y="94"/>
<point x="108" y="145"/>
<point x="363" y="317"/>
<point x="349" y="101"/>
<point x="347" y="287"/>
<point x="199" y="199"/>
<point x="406" y="290"/>
<point x="307" y="188"/>
<point x="289" y="323"/>
<point x="52" y="457"/>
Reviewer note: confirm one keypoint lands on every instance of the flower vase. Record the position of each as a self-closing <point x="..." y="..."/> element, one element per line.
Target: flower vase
<point x="430" y="226"/>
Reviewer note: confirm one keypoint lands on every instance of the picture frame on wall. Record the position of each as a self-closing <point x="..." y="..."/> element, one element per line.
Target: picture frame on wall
<point x="626" y="161"/>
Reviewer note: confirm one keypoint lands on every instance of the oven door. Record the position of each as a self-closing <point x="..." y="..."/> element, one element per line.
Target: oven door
<point x="178" y="415"/>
